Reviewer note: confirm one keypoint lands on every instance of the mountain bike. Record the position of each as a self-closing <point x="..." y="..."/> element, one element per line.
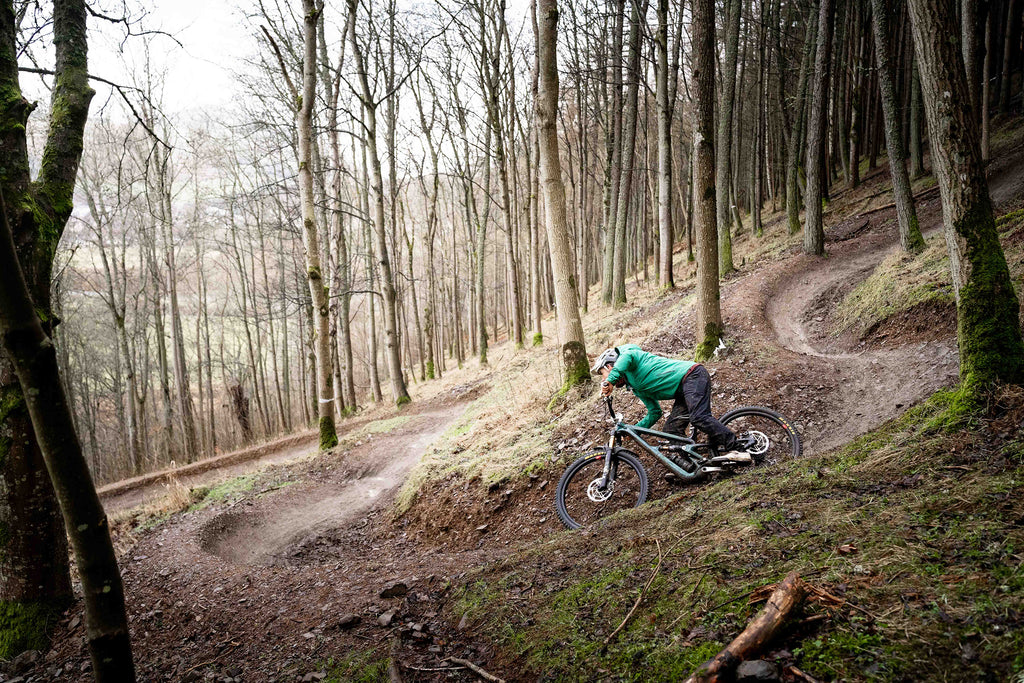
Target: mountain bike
<point x="612" y="478"/>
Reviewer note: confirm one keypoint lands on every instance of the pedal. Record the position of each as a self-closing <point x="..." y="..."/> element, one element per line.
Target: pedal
<point x="709" y="470"/>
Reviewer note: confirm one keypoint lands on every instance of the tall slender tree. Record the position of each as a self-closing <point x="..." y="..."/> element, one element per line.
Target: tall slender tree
<point x="709" y="310"/>
<point x="814" y="230"/>
<point x="570" y="326"/>
<point x="910" y="232"/>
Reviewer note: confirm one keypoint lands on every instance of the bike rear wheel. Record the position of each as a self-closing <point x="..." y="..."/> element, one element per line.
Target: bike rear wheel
<point x="777" y="439"/>
<point x="580" y="500"/>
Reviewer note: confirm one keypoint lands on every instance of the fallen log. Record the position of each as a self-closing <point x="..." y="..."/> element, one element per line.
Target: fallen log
<point x="784" y="600"/>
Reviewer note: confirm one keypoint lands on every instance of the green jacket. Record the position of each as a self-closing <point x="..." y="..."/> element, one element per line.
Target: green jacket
<point x="652" y="378"/>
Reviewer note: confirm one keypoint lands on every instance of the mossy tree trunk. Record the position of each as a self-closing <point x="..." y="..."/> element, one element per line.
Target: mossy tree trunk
<point x="709" y="310"/>
<point x="34" y="577"/>
<point x="314" y="272"/>
<point x="988" y="323"/>
<point x="570" y="326"/>
<point x="34" y="358"/>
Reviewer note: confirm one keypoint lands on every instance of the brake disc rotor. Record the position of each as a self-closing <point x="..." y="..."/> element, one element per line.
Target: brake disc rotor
<point x="598" y="494"/>
<point x="761" y="442"/>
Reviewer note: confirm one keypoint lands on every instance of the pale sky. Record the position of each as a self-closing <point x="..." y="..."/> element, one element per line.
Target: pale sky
<point x="199" y="73"/>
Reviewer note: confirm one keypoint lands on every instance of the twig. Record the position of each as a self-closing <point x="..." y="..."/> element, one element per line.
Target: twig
<point x="434" y="668"/>
<point x="476" y="669"/>
<point x="802" y="675"/>
<point x="639" y="599"/>
<point x="727" y="602"/>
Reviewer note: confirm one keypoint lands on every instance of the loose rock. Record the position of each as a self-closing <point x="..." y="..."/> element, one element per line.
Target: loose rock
<point x="394" y="590"/>
<point x="757" y="671"/>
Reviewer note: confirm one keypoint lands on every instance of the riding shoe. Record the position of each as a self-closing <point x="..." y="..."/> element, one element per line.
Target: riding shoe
<point x="737" y="456"/>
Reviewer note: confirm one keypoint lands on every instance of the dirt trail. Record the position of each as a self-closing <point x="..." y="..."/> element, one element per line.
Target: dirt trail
<point x="257" y="536"/>
<point x="876" y="384"/>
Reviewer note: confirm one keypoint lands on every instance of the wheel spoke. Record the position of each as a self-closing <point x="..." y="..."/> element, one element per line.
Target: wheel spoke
<point x="782" y="443"/>
<point x="585" y="500"/>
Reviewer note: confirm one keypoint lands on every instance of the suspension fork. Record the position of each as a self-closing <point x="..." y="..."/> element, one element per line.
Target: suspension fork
<point x="609" y="450"/>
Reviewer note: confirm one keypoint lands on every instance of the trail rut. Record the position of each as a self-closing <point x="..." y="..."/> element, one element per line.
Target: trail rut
<point x="259" y="534"/>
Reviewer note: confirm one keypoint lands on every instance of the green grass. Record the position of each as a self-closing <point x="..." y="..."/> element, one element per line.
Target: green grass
<point x="386" y="426"/>
<point x="899" y="283"/>
<point x="359" y="667"/>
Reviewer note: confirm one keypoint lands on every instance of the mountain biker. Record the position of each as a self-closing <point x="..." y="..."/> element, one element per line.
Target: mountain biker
<point x="654" y="378"/>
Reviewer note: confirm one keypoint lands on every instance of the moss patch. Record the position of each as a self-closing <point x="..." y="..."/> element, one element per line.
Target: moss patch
<point x="360" y="667"/>
<point x="328" y="433"/>
<point x="24" y="626"/>
<point x="385" y="426"/>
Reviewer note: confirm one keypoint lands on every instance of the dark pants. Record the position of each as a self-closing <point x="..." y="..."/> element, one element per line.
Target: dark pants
<point x="693" y="397"/>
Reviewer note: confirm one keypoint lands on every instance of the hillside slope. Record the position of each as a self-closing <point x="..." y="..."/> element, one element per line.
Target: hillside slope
<point x="916" y="525"/>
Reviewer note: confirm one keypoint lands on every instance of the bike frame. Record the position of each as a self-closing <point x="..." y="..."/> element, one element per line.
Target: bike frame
<point x="636" y="433"/>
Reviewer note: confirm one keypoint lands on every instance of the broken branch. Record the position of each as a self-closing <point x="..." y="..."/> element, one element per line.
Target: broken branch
<point x="784" y="600"/>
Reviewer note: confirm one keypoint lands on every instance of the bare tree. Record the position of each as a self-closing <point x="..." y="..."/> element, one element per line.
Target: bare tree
<point x="709" y="312"/>
<point x="570" y="327"/>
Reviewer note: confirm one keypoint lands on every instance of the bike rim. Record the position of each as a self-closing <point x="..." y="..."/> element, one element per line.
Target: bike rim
<point x="782" y="443"/>
<point x="586" y="502"/>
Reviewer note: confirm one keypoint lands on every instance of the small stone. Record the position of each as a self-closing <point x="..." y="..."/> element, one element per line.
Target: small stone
<point x="165" y="572"/>
<point x="394" y="590"/>
<point x="386" y="618"/>
<point x="757" y="671"/>
<point x="74" y="623"/>
<point x="307" y="636"/>
<point x="482" y="527"/>
<point x="463" y="622"/>
<point x="348" y="621"/>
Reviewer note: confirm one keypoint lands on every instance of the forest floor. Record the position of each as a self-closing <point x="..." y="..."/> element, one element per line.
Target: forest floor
<point x="431" y="533"/>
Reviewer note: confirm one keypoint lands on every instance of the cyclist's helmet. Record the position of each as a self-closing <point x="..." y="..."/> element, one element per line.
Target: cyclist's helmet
<point x="607" y="356"/>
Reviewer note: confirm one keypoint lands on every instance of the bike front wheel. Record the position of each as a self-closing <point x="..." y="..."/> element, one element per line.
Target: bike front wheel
<point x="776" y="438"/>
<point x="581" y="499"/>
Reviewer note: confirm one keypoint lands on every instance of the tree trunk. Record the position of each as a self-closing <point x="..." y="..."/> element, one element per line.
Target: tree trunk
<point x="614" y="145"/>
<point x="988" y="323"/>
<point x="814" y="231"/>
<point x="709" y="312"/>
<point x="34" y="358"/>
<point x="629" y="127"/>
<point x="664" y="153"/>
<point x="398" y="391"/>
<point x="1007" y="72"/>
<point x="910" y="233"/>
<point x="723" y="150"/>
<point x="314" y="272"/>
<point x="793" y="152"/>
<point x="916" y="150"/>
<point x="570" y="327"/>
